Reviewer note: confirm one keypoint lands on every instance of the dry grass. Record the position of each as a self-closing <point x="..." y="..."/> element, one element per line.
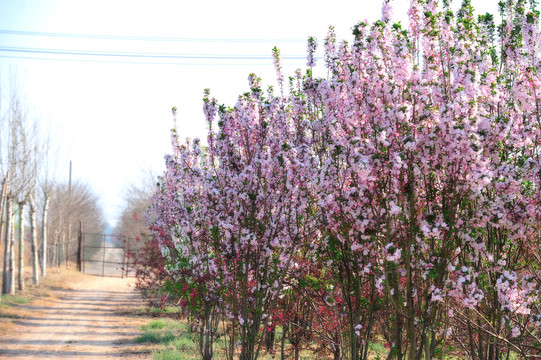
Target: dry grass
<point x="11" y="308"/>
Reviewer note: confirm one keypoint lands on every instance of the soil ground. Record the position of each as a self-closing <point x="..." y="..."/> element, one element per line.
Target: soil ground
<point x="94" y="318"/>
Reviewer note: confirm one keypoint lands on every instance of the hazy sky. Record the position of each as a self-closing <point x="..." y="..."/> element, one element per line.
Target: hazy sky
<point x="105" y="73"/>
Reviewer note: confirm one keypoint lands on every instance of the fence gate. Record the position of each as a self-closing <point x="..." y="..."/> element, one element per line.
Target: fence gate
<point x="106" y="255"/>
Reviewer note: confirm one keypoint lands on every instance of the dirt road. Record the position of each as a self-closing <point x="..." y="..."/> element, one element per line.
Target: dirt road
<point x="94" y="320"/>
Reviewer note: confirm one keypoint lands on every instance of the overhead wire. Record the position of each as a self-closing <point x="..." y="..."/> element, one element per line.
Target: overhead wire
<point x="111" y="61"/>
<point x="136" y="57"/>
<point x="144" y="55"/>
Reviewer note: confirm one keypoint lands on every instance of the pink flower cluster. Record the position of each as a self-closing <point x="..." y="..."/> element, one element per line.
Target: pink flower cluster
<point x="411" y="175"/>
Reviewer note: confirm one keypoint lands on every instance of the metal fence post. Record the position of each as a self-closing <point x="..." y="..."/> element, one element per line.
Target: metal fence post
<point x="103" y="260"/>
<point x="123" y="259"/>
<point x="58" y="257"/>
<point x="83" y="249"/>
<point x="80" y="247"/>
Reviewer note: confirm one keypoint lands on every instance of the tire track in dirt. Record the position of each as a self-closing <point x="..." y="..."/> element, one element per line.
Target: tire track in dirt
<point x="93" y="320"/>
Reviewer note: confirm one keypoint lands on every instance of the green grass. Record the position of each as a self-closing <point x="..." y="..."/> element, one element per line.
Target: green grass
<point x="174" y="339"/>
<point x="15" y="299"/>
<point x="170" y="354"/>
<point x="154" y="325"/>
<point x="155" y="337"/>
<point x="176" y="342"/>
<point x="377" y="350"/>
<point x="162" y="331"/>
<point x="9" y="306"/>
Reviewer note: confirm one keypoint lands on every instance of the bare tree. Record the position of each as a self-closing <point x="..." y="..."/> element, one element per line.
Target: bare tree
<point x="45" y="217"/>
<point x="137" y="200"/>
<point x="28" y="163"/>
<point x="84" y="206"/>
<point x="20" y="273"/>
<point x="8" y="248"/>
<point x="39" y="141"/>
<point x="3" y="194"/>
<point x="19" y="157"/>
<point x="14" y="159"/>
<point x="38" y="152"/>
<point x="34" y="238"/>
<point x="49" y="168"/>
<point x="26" y="177"/>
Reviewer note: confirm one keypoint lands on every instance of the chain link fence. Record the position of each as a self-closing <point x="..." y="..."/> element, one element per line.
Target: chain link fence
<point x="106" y="255"/>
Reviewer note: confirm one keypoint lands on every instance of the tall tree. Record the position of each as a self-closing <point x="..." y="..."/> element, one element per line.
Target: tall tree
<point x="3" y="194"/>
<point x="8" y="240"/>
<point x="20" y="272"/>
<point x="15" y="159"/>
<point x="84" y="206"/>
<point x="21" y="155"/>
<point x="34" y="239"/>
<point x="137" y="201"/>
<point x="44" y="224"/>
<point x="45" y="181"/>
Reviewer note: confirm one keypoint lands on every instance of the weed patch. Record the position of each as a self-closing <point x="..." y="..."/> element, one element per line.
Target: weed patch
<point x="172" y="337"/>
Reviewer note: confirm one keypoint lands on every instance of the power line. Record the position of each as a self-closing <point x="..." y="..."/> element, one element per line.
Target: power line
<point x="111" y="61"/>
<point x="119" y="57"/>
<point x="144" y="55"/>
<point x="146" y="38"/>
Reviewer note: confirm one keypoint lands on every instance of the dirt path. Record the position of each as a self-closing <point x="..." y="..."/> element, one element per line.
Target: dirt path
<point x="94" y="320"/>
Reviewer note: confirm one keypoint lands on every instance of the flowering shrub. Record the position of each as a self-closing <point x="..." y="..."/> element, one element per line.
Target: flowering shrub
<point x="410" y="177"/>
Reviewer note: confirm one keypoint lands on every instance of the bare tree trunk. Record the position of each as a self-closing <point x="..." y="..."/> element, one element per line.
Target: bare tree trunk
<point x="285" y="328"/>
<point x="3" y="200"/>
<point x="337" y="352"/>
<point x="7" y="237"/>
<point x="269" y="340"/>
<point x="2" y="218"/>
<point x="20" y="277"/>
<point x="33" y="232"/>
<point x="54" y="248"/>
<point x="11" y="241"/>
<point x="44" y="235"/>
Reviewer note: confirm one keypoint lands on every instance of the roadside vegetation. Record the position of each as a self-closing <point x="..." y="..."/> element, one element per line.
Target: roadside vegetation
<point x="395" y="200"/>
<point x="170" y="338"/>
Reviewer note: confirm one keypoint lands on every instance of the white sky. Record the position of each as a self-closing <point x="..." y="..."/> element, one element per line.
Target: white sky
<point x="113" y="114"/>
